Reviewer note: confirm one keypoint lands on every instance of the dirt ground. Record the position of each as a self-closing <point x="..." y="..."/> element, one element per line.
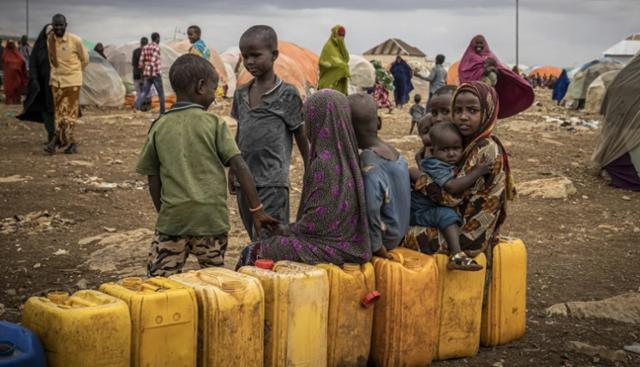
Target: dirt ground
<point x="584" y="247"/>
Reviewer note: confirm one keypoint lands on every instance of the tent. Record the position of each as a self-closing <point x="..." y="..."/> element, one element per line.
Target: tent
<point x="547" y="70"/>
<point x="363" y="74"/>
<point x="624" y="50"/>
<point x="387" y="51"/>
<point x="231" y="82"/>
<point x="232" y="57"/>
<point x="618" y="149"/>
<point x="597" y="90"/>
<point x="587" y="74"/>
<point x="452" y="74"/>
<point x="295" y="65"/>
<point x="101" y="83"/>
<point x="183" y="46"/>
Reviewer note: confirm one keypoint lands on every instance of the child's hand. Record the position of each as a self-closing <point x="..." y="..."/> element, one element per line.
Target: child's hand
<point x="484" y="167"/>
<point x="230" y="184"/>
<point x="414" y="174"/>
<point x="263" y="220"/>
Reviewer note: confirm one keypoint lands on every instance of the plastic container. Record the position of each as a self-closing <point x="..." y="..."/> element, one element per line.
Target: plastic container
<point x="20" y="347"/>
<point x="352" y="295"/>
<point x="230" y="315"/>
<point x="460" y="295"/>
<point x="88" y="328"/>
<point x="296" y="308"/>
<point x="504" y="316"/>
<point x="164" y="327"/>
<point x="404" y="326"/>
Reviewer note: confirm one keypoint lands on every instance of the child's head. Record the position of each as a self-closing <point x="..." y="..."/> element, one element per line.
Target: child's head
<point x="155" y="37"/>
<point x="194" y="33"/>
<point x="424" y="125"/>
<point x="440" y="59"/>
<point x="467" y="112"/>
<point x="441" y="104"/>
<point x="144" y="41"/>
<point x="490" y="62"/>
<point x="446" y="143"/>
<point x="364" y="117"/>
<point x="259" y="49"/>
<point x="194" y="79"/>
<point x="417" y="98"/>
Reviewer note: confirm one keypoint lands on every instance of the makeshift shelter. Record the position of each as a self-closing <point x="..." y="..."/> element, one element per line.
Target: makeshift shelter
<point x="548" y="70"/>
<point x="363" y="74"/>
<point x="618" y="149"/>
<point x="101" y="83"/>
<point x="387" y="51"/>
<point x="295" y="65"/>
<point x="624" y="50"/>
<point x="231" y="82"/>
<point x="597" y="90"/>
<point x="452" y="74"/>
<point x="232" y="57"/>
<point x="183" y="46"/>
<point x="586" y="75"/>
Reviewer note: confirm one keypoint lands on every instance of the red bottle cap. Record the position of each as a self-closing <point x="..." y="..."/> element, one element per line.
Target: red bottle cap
<point x="370" y="299"/>
<point x="265" y="264"/>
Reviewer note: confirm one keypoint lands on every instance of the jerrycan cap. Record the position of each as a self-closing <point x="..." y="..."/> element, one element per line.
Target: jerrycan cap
<point x="58" y="297"/>
<point x="132" y="283"/>
<point x="265" y="264"/>
<point x="7" y="348"/>
<point x="371" y="298"/>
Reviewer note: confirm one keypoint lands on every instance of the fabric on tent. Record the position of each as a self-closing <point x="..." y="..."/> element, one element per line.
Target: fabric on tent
<point x="101" y="83"/>
<point x="294" y="65"/>
<point x="547" y="70"/>
<point x="363" y="74"/>
<point x="586" y="75"/>
<point x="452" y="74"/>
<point x="620" y="132"/>
<point x="232" y="82"/>
<point x="182" y="47"/>
<point x="232" y="57"/>
<point x="120" y="58"/>
<point x="560" y="87"/>
<point x="597" y="90"/>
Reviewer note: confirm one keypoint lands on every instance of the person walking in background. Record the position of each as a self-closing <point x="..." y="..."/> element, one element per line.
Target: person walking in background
<point x="135" y="63"/>
<point x="402" y="75"/>
<point x="334" y="62"/>
<point x="437" y="78"/>
<point x="25" y="49"/>
<point x="198" y="47"/>
<point x="99" y="48"/>
<point x="15" y="74"/>
<point x="68" y="57"/>
<point x="151" y="65"/>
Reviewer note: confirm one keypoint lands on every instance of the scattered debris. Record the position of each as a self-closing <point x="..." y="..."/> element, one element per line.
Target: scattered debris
<point x="121" y="253"/>
<point x="548" y="188"/>
<point x="626" y="198"/>
<point x="61" y="252"/>
<point x="80" y="163"/>
<point x="82" y="284"/>
<point x="633" y="348"/>
<point x="623" y="308"/>
<point x="14" y="178"/>
<point x="570" y="123"/>
<point x="596" y="351"/>
<point x="33" y="222"/>
<point x="95" y="183"/>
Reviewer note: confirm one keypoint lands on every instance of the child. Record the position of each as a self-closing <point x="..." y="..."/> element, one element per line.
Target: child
<point x="184" y="156"/>
<point x="440" y="112"/>
<point x="417" y="112"/>
<point x="490" y="75"/>
<point x="386" y="178"/>
<point x="446" y="153"/>
<point x="269" y="114"/>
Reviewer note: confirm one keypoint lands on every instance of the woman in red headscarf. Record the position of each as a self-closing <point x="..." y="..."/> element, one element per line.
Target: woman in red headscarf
<point x="15" y="73"/>
<point x="514" y="93"/>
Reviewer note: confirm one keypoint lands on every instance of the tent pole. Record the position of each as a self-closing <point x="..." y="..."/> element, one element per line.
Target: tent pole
<point x="517" y="36"/>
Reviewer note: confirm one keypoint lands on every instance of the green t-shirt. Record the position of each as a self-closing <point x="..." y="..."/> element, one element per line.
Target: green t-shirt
<point x="189" y="149"/>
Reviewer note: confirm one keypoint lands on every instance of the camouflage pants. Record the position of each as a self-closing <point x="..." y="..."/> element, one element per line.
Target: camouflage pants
<point x="66" y="101"/>
<point x="168" y="254"/>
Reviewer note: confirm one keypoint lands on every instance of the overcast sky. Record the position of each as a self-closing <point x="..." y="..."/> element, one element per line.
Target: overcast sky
<point x="559" y="32"/>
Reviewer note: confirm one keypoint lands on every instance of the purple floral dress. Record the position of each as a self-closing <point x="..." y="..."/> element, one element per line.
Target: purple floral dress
<point x="332" y="220"/>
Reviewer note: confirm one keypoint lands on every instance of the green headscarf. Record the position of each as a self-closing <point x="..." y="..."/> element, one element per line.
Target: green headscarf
<point x="334" y="64"/>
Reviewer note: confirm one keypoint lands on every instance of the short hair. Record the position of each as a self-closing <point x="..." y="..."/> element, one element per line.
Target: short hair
<point x="58" y="16"/>
<point x="187" y="70"/>
<point x="155" y="36"/>
<point x="437" y="131"/>
<point x="195" y="28"/>
<point x="417" y="97"/>
<point x="144" y="40"/>
<point x="445" y="89"/>
<point x="266" y="33"/>
<point x="440" y="59"/>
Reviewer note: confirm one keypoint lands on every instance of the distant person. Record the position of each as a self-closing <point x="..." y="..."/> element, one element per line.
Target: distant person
<point x="515" y="94"/>
<point x="68" y="57"/>
<point x="437" y="78"/>
<point x="382" y="87"/>
<point x="334" y="62"/>
<point x="138" y="82"/>
<point x="189" y="193"/>
<point x="25" y="49"/>
<point x="198" y="47"/>
<point x="99" y="48"/>
<point x="151" y="65"/>
<point x="417" y="112"/>
<point x="15" y="74"/>
<point x="269" y="115"/>
<point x="386" y="178"/>
<point x="402" y="74"/>
<point x="38" y="104"/>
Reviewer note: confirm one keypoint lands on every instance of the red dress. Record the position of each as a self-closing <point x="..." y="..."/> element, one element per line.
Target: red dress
<point x="15" y="75"/>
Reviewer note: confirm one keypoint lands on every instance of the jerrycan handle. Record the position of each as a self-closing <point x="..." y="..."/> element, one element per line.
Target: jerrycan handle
<point x="7" y="348"/>
<point x="369" y="300"/>
<point x="80" y="301"/>
<point x="396" y="257"/>
<point x="227" y="286"/>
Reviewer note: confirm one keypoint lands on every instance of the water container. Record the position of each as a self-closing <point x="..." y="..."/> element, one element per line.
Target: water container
<point x="404" y="324"/>
<point x="88" y="328"/>
<point x="20" y="347"/>
<point x="164" y="326"/>
<point x="352" y="295"/>
<point x="460" y="293"/>
<point x="296" y="306"/>
<point x="504" y="314"/>
<point x="230" y="315"/>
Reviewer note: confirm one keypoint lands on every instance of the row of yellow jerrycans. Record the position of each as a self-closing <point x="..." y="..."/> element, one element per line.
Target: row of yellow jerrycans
<point x="289" y="314"/>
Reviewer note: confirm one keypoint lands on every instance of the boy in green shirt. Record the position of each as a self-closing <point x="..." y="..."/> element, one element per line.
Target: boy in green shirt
<point x="185" y="155"/>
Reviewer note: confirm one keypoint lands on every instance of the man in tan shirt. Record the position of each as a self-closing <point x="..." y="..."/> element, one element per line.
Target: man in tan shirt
<point x="68" y="57"/>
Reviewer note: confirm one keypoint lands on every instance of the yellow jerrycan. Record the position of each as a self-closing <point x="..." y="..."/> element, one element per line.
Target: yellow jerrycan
<point x="89" y="328"/>
<point x="460" y="316"/>
<point x="404" y="323"/>
<point x="164" y="317"/>
<point x="296" y="307"/>
<point x="504" y="314"/>
<point x="352" y="294"/>
<point x="230" y="315"/>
